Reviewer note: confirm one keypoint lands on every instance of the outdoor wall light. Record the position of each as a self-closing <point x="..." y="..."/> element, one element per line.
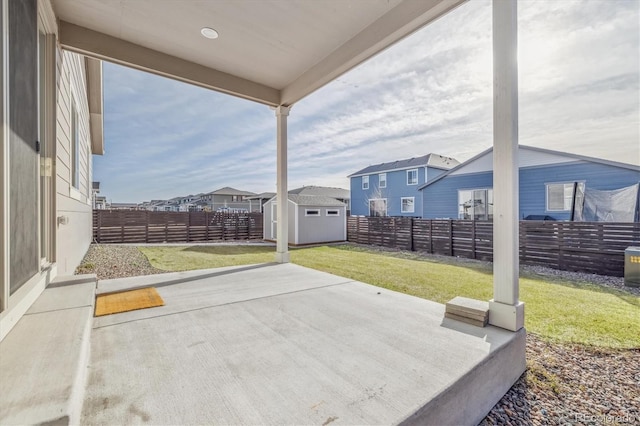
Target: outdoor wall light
<point x="63" y="220"/>
<point x="209" y="33"/>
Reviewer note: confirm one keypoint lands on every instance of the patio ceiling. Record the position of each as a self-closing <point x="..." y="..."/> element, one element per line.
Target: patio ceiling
<point x="274" y="52"/>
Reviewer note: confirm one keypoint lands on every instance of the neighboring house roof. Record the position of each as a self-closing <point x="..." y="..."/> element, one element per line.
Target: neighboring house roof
<point x="262" y="195"/>
<point x="230" y="191"/>
<point x="313" y="200"/>
<point x="430" y="160"/>
<point x="570" y="158"/>
<point x="321" y="190"/>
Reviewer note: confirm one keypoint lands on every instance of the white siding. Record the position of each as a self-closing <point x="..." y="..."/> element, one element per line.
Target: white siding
<point x="74" y="238"/>
<point x="526" y="158"/>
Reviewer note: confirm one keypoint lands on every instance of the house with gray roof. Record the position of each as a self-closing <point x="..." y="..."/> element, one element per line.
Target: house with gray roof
<point x="313" y="219"/>
<point x="230" y="199"/>
<point x="391" y="189"/>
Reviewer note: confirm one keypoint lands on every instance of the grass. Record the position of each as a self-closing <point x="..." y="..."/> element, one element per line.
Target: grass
<point x="203" y="257"/>
<point x="558" y="310"/>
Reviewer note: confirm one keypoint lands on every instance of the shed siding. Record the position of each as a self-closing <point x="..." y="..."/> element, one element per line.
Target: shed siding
<point x="309" y="229"/>
<point x="323" y="228"/>
<point x="441" y="198"/>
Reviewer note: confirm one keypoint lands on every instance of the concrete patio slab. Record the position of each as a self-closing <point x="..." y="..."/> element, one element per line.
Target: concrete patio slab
<point x="282" y="344"/>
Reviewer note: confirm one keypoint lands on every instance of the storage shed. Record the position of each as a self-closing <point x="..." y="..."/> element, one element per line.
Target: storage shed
<point x="313" y="219"/>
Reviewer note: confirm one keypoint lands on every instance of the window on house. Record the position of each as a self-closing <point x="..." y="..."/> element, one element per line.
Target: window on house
<point x="75" y="147"/>
<point x="378" y="207"/>
<point x="236" y="198"/>
<point x="475" y="204"/>
<point x="407" y="204"/>
<point x="365" y="182"/>
<point x="311" y="212"/>
<point x="333" y="212"/>
<point x="560" y="196"/>
<point x="412" y="177"/>
<point x="382" y="180"/>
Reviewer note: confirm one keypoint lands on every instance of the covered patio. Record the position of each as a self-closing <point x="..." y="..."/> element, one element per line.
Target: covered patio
<point x="276" y="343"/>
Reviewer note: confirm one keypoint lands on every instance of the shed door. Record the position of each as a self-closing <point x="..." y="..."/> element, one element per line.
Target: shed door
<point x="274" y="221"/>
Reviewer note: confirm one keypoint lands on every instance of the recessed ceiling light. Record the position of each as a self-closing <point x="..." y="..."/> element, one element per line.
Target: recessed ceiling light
<point x="209" y="32"/>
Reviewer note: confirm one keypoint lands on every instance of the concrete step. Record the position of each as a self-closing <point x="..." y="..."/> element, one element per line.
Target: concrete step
<point x="44" y="359"/>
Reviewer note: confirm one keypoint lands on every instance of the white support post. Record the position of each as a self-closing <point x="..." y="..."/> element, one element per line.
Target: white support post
<point x="282" y="234"/>
<point x="505" y="310"/>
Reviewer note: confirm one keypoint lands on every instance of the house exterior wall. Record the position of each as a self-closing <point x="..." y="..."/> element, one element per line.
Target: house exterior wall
<point x="395" y="190"/>
<point x="216" y="201"/>
<point x="61" y="83"/>
<point x="441" y="198"/>
<point x="323" y="228"/>
<point x="73" y="202"/>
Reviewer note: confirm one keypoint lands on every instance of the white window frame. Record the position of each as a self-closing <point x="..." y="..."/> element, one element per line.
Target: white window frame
<point x="546" y="194"/>
<point x="310" y="212"/>
<point x="386" y="204"/>
<point x="382" y="177"/>
<point x="413" y="204"/>
<point x="365" y="182"/>
<point x="487" y="197"/>
<point x="409" y="172"/>
<point x="332" y="212"/>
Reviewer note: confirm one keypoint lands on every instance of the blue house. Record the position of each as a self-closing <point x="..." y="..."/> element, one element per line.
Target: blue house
<point x="391" y="189"/>
<point x="547" y="182"/>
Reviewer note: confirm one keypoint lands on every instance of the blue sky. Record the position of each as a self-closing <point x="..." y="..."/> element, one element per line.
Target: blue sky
<point x="579" y="85"/>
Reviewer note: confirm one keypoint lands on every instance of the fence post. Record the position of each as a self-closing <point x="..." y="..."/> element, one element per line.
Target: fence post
<point x="166" y="227"/>
<point x="99" y="236"/>
<point x="450" y="237"/>
<point x="473" y="239"/>
<point x="411" y="246"/>
<point x="206" y="228"/>
<point x="431" y="236"/>
<point x="560" y="246"/>
<point x="146" y="227"/>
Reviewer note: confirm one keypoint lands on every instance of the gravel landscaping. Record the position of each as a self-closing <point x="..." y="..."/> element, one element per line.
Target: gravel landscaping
<point x="564" y="384"/>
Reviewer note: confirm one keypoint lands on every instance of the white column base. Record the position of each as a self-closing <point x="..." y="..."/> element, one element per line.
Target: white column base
<point x="282" y="257"/>
<point x="509" y="317"/>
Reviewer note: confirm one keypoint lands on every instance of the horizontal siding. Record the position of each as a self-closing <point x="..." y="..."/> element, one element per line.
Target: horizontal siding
<point x="441" y="198"/>
<point x="596" y="176"/>
<point x="72" y="90"/>
<point x="396" y="189"/>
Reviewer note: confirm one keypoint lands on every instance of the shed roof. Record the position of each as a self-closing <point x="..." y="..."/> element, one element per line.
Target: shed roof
<point x="430" y="160"/>
<point x="322" y="191"/>
<point x="313" y="200"/>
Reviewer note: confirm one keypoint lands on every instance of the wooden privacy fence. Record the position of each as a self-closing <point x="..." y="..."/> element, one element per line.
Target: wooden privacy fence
<point x="138" y="226"/>
<point x="592" y="247"/>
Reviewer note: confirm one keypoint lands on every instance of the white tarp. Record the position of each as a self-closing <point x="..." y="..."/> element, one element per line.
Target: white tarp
<point x="618" y="205"/>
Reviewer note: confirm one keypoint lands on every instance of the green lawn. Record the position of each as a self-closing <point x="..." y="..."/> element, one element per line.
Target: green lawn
<point x="558" y="310"/>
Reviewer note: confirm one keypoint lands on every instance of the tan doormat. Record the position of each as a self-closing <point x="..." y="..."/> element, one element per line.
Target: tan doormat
<point x="125" y="301"/>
